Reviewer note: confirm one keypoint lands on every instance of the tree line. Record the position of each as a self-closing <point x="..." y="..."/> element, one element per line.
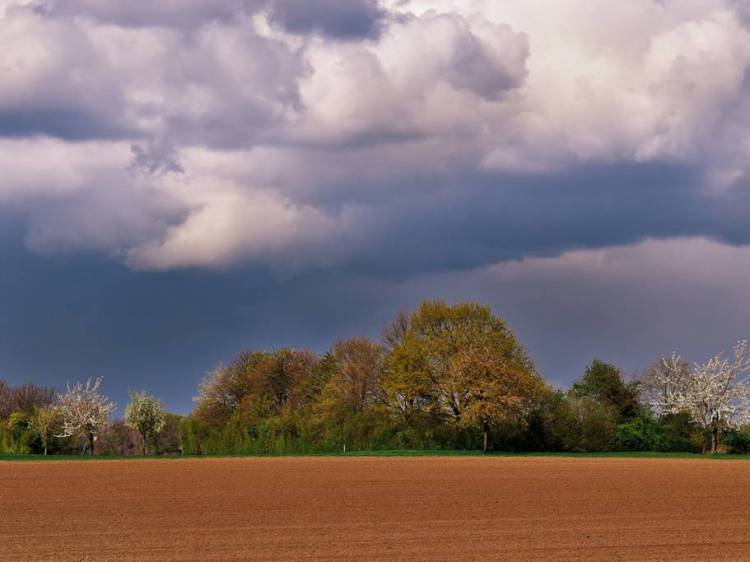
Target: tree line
<point x="444" y="377"/>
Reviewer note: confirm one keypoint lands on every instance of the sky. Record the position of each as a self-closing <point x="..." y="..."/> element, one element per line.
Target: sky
<point x="184" y="180"/>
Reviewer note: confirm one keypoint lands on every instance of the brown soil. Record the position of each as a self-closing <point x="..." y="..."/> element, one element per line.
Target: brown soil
<point x="444" y="508"/>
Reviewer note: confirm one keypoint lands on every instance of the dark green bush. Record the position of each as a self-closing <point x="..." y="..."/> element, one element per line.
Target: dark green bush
<point x="642" y="433"/>
<point x="737" y="441"/>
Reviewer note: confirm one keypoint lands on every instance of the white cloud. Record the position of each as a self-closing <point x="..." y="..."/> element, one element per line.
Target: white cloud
<point x="227" y="223"/>
<point x="657" y="263"/>
<point x="410" y="84"/>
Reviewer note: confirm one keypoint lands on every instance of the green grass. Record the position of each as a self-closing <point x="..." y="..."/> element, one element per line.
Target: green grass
<point x="396" y="453"/>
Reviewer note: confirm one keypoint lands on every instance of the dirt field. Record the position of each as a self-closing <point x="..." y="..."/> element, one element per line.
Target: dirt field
<point x="376" y="508"/>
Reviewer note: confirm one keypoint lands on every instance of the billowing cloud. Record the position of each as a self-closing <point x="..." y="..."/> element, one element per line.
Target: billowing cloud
<point x="409" y="135"/>
<point x="231" y="173"/>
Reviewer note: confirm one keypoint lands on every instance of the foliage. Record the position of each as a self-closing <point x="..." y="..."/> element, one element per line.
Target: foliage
<point x="640" y="433"/>
<point x="146" y="415"/>
<point x="460" y="364"/>
<point x="118" y="439"/>
<point x="587" y="424"/>
<point x="443" y="378"/>
<point x="603" y="382"/>
<point x="737" y="440"/>
<point x="167" y="441"/>
<point x="24" y="398"/>
<point x="45" y="422"/>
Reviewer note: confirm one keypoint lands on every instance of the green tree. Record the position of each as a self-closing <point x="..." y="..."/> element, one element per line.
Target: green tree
<point x="588" y="424"/>
<point x="603" y="381"/>
<point x="350" y="408"/>
<point x="640" y="433"/>
<point x="5" y="400"/>
<point x="45" y="421"/>
<point x="146" y="415"/>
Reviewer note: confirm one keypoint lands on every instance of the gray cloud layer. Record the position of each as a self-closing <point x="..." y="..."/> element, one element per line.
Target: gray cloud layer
<point x="400" y="142"/>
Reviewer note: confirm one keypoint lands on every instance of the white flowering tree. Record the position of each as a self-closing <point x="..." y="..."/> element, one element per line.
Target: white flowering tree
<point x="715" y="394"/>
<point x="84" y="411"/>
<point x="146" y="415"/>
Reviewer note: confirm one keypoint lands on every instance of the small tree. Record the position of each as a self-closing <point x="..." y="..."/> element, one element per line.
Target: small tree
<point x="5" y="400"/>
<point x="84" y="411"/>
<point x="146" y="415"/>
<point x="715" y="394"/>
<point x="604" y="382"/>
<point x="45" y="421"/>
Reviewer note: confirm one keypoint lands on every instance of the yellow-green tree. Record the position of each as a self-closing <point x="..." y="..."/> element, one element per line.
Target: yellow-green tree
<point x="463" y="363"/>
<point x="407" y="383"/>
<point x="355" y="383"/>
<point x="45" y="421"/>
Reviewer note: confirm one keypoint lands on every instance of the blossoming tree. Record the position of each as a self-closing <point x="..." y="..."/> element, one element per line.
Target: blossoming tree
<point x="715" y="394"/>
<point x="84" y="410"/>
<point x="146" y="415"/>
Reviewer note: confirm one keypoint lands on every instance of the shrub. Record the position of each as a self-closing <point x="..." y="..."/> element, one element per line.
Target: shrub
<point x="680" y="433"/>
<point x="588" y="425"/>
<point x="642" y="433"/>
<point x="737" y="441"/>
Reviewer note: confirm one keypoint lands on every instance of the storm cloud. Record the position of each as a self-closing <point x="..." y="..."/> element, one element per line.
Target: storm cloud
<point x="354" y="143"/>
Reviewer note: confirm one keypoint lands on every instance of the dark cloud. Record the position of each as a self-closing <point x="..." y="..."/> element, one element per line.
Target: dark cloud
<point x="162" y="332"/>
<point x="480" y="220"/>
<point x="67" y="123"/>
<point x="340" y="19"/>
<point x="183" y="14"/>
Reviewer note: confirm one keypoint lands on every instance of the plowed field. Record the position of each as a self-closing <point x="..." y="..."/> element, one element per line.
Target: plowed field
<point x="446" y="508"/>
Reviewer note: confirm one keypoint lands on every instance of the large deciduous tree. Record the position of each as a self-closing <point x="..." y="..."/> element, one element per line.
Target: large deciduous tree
<point x="715" y="393"/>
<point x="146" y="415"/>
<point x="495" y="389"/>
<point x="256" y="385"/>
<point x="464" y="364"/>
<point x="355" y="381"/>
<point x="407" y="384"/>
<point x="84" y="410"/>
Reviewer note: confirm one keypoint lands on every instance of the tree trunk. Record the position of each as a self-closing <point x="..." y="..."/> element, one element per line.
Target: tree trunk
<point x="45" y="449"/>
<point x="144" y="446"/>
<point x="714" y="439"/>
<point x="91" y="444"/>
<point x="485" y="437"/>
